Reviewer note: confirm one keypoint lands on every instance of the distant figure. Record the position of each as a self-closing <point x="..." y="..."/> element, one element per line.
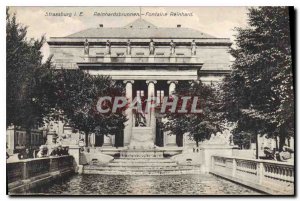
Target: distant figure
<point x="108" y="47"/>
<point x="54" y="152"/>
<point x="65" y="151"/>
<point x="25" y="155"/>
<point x="7" y="155"/>
<point x="128" y="50"/>
<point x="43" y="152"/>
<point x="269" y="155"/>
<point x="60" y="151"/>
<point x="151" y="47"/>
<point x="172" y="47"/>
<point x="193" y="47"/>
<point x="285" y="154"/>
<point x="86" y="47"/>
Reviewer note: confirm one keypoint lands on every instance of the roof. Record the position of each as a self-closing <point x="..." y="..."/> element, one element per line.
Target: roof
<point x="140" y="28"/>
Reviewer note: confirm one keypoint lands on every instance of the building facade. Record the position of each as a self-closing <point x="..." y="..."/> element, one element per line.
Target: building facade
<point x="150" y="60"/>
<point x="18" y="139"/>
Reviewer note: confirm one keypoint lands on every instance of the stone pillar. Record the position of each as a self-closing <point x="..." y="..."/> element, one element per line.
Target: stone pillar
<point x="107" y="141"/>
<point x="51" y="137"/>
<point x="74" y="150"/>
<point x="128" y="112"/>
<point x="10" y="139"/>
<point x="171" y="139"/>
<point x="93" y="139"/>
<point x="150" y="117"/>
<point x="151" y="93"/>
<point x="172" y="86"/>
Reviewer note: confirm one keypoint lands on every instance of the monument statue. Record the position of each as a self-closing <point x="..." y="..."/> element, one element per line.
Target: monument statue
<point x="193" y="47"/>
<point x="108" y="47"/>
<point x="151" y="47"/>
<point x="172" y="47"/>
<point x="128" y="49"/>
<point x="140" y="119"/>
<point x="86" y="47"/>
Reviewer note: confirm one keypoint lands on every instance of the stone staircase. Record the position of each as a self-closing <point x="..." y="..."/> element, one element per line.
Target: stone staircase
<point x="141" y="162"/>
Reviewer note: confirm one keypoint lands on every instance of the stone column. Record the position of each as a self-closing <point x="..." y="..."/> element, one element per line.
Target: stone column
<point x="151" y="121"/>
<point x="107" y="141"/>
<point x="172" y="86"/>
<point x="151" y="93"/>
<point x="171" y="139"/>
<point x="93" y="139"/>
<point x="128" y="112"/>
<point x="10" y="139"/>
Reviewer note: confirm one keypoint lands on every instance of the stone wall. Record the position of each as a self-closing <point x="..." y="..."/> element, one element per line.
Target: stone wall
<point x="30" y="173"/>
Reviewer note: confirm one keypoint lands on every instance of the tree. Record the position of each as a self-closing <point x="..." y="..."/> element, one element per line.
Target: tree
<point x="74" y="95"/>
<point x="36" y="92"/>
<point x="23" y="62"/>
<point x="200" y="126"/>
<point x="260" y="87"/>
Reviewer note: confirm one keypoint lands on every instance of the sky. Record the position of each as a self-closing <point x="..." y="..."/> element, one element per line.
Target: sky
<point x="216" y="21"/>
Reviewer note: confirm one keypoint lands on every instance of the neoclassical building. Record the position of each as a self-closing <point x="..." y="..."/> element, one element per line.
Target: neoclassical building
<point x="150" y="60"/>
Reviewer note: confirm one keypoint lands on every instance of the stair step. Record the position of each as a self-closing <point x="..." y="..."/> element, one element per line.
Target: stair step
<point x="168" y="168"/>
<point x="142" y="160"/>
<point x="133" y="164"/>
<point x="147" y="172"/>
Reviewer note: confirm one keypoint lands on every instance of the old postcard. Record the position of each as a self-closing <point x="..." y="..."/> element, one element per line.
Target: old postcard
<point x="150" y="101"/>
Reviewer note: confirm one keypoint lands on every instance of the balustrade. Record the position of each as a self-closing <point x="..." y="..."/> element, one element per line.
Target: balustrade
<point x="140" y="59"/>
<point x="275" y="175"/>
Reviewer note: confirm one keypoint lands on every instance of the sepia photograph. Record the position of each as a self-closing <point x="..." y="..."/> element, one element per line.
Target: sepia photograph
<point x="150" y="100"/>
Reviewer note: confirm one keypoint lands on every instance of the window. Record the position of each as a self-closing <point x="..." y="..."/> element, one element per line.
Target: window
<point x="160" y="96"/>
<point x="140" y="93"/>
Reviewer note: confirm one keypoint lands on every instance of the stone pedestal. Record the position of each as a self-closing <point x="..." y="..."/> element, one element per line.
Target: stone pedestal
<point x="85" y="58"/>
<point x="170" y="140"/>
<point x="74" y="150"/>
<point x="193" y="59"/>
<point x="151" y="59"/>
<point x="172" y="59"/>
<point x="141" y="138"/>
<point x="128" y="59"/>
<point x="107" y="59"/>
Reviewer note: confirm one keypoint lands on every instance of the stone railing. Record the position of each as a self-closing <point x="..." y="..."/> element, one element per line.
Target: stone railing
<point x="22" y="174"/>
<point x="141" y="59"/>
<point x="269" y="176"/>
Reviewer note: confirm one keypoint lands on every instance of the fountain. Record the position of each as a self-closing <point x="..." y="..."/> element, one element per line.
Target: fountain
<point x="141" y="157"/>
